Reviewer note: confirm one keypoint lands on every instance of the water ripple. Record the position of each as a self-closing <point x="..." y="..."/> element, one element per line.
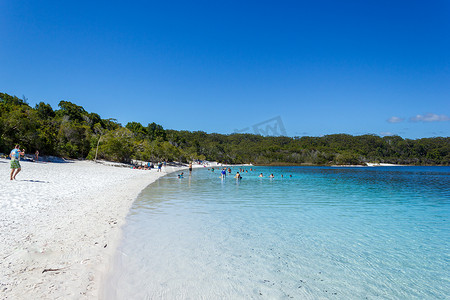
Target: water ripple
<point x="347" y="233"/>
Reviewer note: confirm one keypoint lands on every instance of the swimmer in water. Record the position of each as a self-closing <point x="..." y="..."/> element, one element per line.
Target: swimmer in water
<point x="238" y="176"/>
<point x="271" y="176"/>
<point x="261" y="175"/>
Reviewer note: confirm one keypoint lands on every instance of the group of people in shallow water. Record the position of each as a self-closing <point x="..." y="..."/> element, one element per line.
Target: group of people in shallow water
<point x="225" y="170"/>
<point x="272" y="176"/>
<point x="181" y="175"/>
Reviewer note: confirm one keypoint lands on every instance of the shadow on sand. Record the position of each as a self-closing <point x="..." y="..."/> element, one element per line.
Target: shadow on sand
<point x="37" y="181"/>
<point x="54" y="162"/>
<point x="54" y="159"/>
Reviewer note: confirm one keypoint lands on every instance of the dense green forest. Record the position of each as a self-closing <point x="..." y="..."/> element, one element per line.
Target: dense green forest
<point x="72" y="132"/>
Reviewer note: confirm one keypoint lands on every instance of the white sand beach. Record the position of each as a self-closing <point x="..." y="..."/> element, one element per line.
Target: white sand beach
<point x="60" y="225"/>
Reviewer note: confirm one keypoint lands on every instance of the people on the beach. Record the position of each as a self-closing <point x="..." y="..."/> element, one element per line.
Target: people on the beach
<point x="190" y="168"/>
<point x="159" y="166"/>
<point x="15" y="158"/>
<point x="36" y="155"/>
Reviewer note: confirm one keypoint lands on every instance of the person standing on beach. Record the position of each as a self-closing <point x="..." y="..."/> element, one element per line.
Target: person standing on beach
<point x="37" y="155"/>
<point x="15" y="158"/>
<point x="159" y="166"/>
<point x="190" y="168"/>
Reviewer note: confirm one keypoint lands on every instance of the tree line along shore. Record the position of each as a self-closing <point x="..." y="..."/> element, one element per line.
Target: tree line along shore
<point x="72" y="132"/>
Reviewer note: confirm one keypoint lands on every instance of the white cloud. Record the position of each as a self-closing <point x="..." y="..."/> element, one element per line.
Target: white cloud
<point x="386" y="133"/>
<point x="395" y="120"/>
<point x="429" y="118"/>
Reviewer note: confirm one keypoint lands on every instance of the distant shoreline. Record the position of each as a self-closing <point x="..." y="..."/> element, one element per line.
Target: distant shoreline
<point x="333" y="165"/>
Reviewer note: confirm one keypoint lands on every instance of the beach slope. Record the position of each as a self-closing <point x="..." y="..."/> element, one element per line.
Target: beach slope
<point x="60" y="224"/>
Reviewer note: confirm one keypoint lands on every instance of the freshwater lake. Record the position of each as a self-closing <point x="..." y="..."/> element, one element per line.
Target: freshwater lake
<point x="324" y="233"/>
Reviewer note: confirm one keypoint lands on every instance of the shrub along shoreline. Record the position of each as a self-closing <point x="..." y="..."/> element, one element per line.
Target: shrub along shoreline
<point x="72" y="132"/>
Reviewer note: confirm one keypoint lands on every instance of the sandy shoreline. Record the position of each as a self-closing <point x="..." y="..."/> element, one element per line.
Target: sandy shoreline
<point x="60" y="225"/>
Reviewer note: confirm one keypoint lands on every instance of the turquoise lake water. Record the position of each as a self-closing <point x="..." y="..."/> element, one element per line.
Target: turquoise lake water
<point x="324" y="233"/>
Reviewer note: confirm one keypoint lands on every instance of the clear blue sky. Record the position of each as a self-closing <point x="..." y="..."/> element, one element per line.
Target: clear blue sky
<point x="324" y="67"/>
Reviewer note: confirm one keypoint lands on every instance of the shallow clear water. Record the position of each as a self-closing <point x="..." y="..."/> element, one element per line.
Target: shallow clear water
<point x="324" y="233"/>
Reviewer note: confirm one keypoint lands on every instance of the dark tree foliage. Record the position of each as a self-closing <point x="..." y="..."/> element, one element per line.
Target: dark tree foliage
<point x="72" y="132"/>
<point x="139" y="131"/>
<point x="44" y="111"/>
<point x="155" y="131"/>
<point x="73" y="111"/>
